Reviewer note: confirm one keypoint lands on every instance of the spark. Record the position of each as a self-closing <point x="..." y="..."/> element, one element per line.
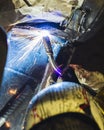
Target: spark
<point x="7" y="124"/>
<point x="12" y="91"/>
<point x="26" y="41"/>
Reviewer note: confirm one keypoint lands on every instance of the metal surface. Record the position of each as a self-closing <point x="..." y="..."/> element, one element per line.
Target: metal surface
<point x="25" y="65"/>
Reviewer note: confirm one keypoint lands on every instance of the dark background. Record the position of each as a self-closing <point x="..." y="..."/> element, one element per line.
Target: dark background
<point x="90" y="54"/>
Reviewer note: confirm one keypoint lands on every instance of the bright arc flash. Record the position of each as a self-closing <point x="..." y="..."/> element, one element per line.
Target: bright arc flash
<point x="44" y="33"/>
<point x="27" y="41"/>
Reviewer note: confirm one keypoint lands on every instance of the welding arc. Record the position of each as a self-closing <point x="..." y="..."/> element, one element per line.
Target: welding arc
<point x="48" y="48"/>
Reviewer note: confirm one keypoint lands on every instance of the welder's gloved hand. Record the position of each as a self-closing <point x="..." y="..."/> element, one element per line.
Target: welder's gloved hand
<point x="3" y="51"/>
<point x="94" y="79"/>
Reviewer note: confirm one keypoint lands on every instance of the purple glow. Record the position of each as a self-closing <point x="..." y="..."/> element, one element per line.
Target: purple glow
<point x="58" y="71"/>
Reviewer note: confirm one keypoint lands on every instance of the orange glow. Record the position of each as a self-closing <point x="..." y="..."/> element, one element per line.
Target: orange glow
<point x="8" y="125"/>
<point x="12" y="91"/>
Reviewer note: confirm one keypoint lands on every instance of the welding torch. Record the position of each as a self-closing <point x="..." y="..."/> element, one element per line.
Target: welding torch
<point x="48" y="49"/>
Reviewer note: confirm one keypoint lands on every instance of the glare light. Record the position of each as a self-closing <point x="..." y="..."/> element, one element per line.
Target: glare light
<point x="44" y="33"/>
<point x="7" y="124"/>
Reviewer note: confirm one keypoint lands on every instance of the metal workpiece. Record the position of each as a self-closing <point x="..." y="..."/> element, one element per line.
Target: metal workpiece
<point x="2" y="121"/>
<point x="13" y="104"/>
<point x="26" y="63"/>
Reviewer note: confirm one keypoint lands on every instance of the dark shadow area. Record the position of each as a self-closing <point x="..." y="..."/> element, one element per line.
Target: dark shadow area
<point x="7" y="13"/>
<point x="3" y="51"/>
<point x="90" y="55"/>
<point x="6" y="5"/>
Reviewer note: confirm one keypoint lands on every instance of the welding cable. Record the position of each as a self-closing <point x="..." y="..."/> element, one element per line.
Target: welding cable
<point x="48" y="48"/>
<point x="27" y="3"/>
